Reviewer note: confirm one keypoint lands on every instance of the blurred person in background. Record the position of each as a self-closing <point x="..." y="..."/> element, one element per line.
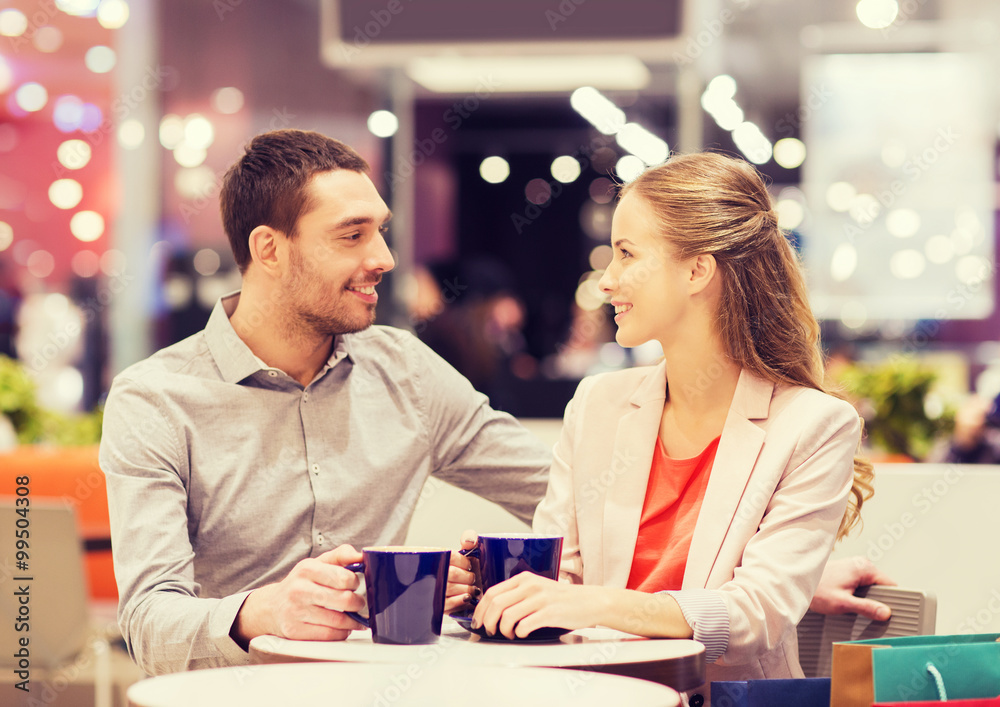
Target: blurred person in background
<point x="10" y="301"/>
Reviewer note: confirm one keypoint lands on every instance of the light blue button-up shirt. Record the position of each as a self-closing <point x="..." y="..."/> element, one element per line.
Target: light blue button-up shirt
<point x="223" y="473"/>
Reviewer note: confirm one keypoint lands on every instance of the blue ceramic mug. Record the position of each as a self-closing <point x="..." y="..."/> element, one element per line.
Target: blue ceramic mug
<point x="405" y="588"/>
<point x="503" y="555"/>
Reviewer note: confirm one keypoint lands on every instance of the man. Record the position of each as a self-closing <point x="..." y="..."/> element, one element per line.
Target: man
<point x="246" y="463"/>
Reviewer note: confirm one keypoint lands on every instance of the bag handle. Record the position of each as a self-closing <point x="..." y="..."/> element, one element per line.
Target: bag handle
<point x="938" y="681"/>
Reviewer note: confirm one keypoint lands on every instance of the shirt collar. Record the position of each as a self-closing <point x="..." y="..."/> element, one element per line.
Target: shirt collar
<point x="234" y="358"/>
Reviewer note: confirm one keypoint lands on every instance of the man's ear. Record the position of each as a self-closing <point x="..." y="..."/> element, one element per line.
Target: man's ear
<point x="267" y="249"/>
<point x="702" y="269"/>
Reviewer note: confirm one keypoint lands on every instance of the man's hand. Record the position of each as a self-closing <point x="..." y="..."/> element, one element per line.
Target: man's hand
<point x="835" y="593"/>
<point x="461" y="576"/>
<point x="308" y="604"/>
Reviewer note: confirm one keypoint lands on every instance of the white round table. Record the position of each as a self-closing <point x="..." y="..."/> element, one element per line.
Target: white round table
<point x="675" y="663"/>
<point x="404" y="685"/>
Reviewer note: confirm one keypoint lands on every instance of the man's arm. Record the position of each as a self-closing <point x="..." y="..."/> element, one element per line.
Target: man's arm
<point x="475" y="447"/>
<point x="835" y="593"/>
<point x="167" y="622"/>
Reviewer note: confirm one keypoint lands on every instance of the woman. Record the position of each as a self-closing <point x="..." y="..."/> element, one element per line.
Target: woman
<point x="700" y="497"/>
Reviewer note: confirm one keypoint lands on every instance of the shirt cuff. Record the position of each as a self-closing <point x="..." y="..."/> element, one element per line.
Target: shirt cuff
<point x="708" y="617"/>
<point x="221" y="623"/>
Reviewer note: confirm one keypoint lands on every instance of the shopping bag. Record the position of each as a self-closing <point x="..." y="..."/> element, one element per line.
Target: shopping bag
<point x="814" y="692"/>
<point x="986" y="702"/>
<point x="907" y="668"/>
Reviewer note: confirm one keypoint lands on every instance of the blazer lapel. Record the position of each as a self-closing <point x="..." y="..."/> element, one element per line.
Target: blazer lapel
<point x="635" y="440"/>
<point x="738" y="449"/>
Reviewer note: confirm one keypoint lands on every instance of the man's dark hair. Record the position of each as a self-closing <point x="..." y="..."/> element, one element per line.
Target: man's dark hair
<point x="268" y="185"/>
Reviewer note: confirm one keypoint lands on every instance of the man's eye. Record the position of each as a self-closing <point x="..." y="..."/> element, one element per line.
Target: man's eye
<point x="383" y="230"/>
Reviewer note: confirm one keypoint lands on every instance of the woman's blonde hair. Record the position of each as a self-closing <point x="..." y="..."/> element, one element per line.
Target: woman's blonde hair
<point x="719" y="205"/>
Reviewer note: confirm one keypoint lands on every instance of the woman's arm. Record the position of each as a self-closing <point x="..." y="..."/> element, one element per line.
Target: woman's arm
<point x="527" y="602"/>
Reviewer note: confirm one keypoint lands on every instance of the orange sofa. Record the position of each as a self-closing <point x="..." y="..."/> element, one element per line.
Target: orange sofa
<point x="69" y="475"/>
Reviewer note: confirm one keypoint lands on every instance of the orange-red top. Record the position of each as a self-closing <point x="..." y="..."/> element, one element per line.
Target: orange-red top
<point x="674" y="494"/>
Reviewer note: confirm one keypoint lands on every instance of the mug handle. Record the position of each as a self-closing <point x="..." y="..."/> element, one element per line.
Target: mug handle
<point x="357" y="567"/>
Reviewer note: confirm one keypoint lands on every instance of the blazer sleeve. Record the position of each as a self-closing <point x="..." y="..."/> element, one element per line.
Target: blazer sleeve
<point x="776" y="577"/>
<point x="556" y="514"/>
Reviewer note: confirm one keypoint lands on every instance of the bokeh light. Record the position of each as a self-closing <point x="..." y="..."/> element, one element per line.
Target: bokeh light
<point x="538" y="191"/>
<point x="40" y="264"/>
<point x="227" y="100"/>
<point x="13" y="23"/>
<point x="100" y="59"/>
<point x="131" y="134"/>
<point x="494" y="169"/>
<point x="383" y="123"/>
<point x="31" y="96"/>
<point x="87" y="226"/>
<point x="602" y="190"/>
<point x="565" y="169"/>
<point x="85" y="263"/>
<point x="6" y="235"/>
<point x="171" y="131"/>
<point x="206" y="262"/>
<point x="48" y="39"/>
<point x="188" y="156"/>
<point x="199" y="132"/>
<point x="73" y="154"/>
<point x="629" y="167"/>
<point x="789" y="152"/>
<point x="877" y="14"/>
<point x="67" y="113"/>
<point x="112" y="14"/>
<point x="65" y="193"/>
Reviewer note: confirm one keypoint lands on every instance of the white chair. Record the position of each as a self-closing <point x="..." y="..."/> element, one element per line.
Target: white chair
<point x="914" y="613"/>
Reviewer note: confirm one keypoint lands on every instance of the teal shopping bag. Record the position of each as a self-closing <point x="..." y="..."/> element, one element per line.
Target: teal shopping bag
<point x="914" y="668"/>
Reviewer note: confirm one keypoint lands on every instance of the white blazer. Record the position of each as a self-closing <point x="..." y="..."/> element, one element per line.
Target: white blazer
<point x="773" y="504"/>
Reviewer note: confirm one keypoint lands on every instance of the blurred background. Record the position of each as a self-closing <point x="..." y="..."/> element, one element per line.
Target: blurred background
<point x="497" y="133"/>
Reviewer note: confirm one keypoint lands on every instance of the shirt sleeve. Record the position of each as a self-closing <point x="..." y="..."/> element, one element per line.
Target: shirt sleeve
<point x="475" y="447"/>
<point x="707" y="615"/>
<point x="166" y="625"/>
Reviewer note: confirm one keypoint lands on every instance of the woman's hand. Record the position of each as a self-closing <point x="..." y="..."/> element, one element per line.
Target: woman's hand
<point x="461" y="577"/>
<point x="527" y="601"/>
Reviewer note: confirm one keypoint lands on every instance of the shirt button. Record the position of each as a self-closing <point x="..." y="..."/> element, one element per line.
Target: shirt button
<point x="305" y="397"/>
<point x="315" y="468"/>
<point x="273" y="374"/>
<point x="319" y="539"/>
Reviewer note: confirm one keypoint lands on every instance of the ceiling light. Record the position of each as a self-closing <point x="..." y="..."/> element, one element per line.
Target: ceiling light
<point x="597" y="109"/>
<point x="486" y="75"/>
<point x="648" y="147"/>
